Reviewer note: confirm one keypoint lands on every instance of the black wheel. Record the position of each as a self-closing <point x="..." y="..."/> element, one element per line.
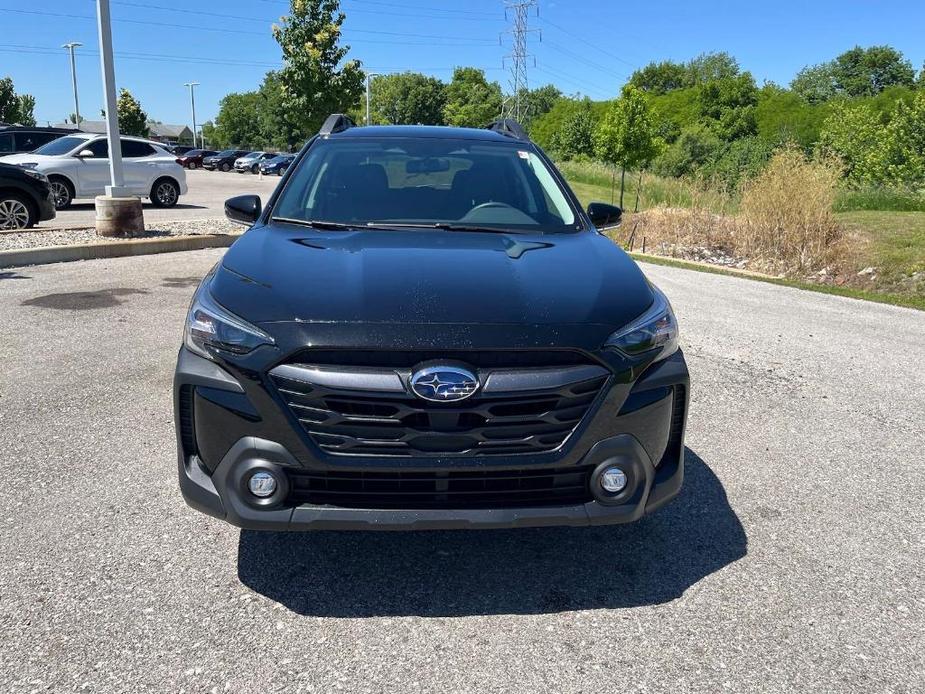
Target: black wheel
<point x="191" y="165"/>
<point x="279" y="172"/>
<point x="226" y="167"/>
<point x="62" y="192"/>
<point x="255" y="169"/>
<point x="165" y="192"/>
<point x="15" y="212"/>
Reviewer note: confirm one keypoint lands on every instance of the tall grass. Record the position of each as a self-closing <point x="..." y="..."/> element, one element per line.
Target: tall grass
<point x="787" y="220"/>
<point x="880" y="199"/>
<point x="655" y="191"/>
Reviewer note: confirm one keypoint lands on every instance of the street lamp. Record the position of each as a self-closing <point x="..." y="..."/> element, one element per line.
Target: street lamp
<point x="369" y="77"/>
<point x="192" y="105"/>
<point x="70" y="47"/>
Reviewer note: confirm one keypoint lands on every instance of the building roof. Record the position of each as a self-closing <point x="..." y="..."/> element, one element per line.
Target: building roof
<point x="162" y="130"/>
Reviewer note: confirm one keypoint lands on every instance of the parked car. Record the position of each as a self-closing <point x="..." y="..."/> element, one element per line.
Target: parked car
<point x="77" y="166"/>
<point x="224" y="160"/>
<point x="193" y="158"/>
<point x="277" y="165"/>
<point x="25" y="198"/>
<point x="179" y="150"/>
<point x="422" y="328"/>
<point x="15" y="139"/>
<point x="251" y="162"/>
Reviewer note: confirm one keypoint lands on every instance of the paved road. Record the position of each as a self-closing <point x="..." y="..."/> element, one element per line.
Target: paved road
<point x="793" y="561"/>
<point x="208" y="191"/>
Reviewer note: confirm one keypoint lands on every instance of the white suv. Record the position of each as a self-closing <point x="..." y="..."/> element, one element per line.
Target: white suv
<point x="77" y="166"/>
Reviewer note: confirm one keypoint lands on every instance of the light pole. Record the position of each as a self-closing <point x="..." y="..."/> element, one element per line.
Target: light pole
<point x="70" y="47"/>
<point x="192" y="105"/>
<point x="369" y="78"/>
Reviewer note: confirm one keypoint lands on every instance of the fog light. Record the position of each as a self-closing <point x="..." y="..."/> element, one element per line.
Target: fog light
<point x="262" y="484"/>
<point x="613" y="480"/>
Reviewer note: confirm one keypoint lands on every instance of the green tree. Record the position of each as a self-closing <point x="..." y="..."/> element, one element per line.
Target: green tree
<point x="277" y="126"/>
<point x="782" y="116"/>
<point x="815" y="83"/>
<point x="856" y="72"/>
<point x="471" y="100"/>
<point x="708" y="67"/>
<point x="210" y="139"/>
<point x="238" y="121"/>
<point x="316" y="79"/>
<point x="727" y="106"/>
<point x="15" y="108"/>
<point x="661" y="78"/>
<point x="627" y="134"/>
<point x="407" y="98"/>
<point x="904" y="157"/>
<point x="538" y="102"/>
<point x="855" y="133"/>
<point x="132" y="118"/>
<point x="696" y="148"/>
<point x="575" y="138"/>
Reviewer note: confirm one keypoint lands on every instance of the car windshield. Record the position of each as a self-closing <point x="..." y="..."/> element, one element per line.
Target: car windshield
<point x="193" y="153"/>
<point x="226" y="153"/>
<point x="424" y="182"/>
<point x="62" y="145"/>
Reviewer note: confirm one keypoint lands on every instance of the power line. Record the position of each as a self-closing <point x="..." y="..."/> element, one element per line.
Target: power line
<point x="584" y="41"/>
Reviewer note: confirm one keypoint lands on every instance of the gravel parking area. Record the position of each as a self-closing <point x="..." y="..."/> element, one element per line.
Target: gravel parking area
<point x="793" y="560"/>
<point x="208" y="191"/>
<point x="36" y="238"/>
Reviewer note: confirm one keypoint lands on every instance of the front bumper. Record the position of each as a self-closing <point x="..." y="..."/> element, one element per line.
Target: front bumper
<point x="46" y="207"/>
<point x="223" y="436"/>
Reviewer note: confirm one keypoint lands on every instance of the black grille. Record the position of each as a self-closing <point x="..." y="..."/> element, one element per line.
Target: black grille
<point x="393" y="423"/>
<point x="187" y="430"/>
<point x="676" y="433"/>
<point x="428" y="490"/>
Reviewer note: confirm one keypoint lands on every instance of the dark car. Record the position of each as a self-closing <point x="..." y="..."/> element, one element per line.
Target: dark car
<point x="193" y="158"/>
<point x="16" y="139"/>
<point x="424" y="329"/>
<point x="277" y="165"/>
<point x="25" y="198"/>
<point x="224" y="160"/>
<point x="180" y="150"/>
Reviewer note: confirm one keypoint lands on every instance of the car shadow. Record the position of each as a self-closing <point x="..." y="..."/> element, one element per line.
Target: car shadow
<point x="529" y="571"/>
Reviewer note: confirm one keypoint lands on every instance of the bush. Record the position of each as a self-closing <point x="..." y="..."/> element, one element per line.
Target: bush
<point x="694" y="148"/>
<point x="787" y="220"/>
<point x="740" y="160"/>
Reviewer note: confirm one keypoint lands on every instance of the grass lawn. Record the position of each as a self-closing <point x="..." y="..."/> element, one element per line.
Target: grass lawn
<point x="897" y="239"/>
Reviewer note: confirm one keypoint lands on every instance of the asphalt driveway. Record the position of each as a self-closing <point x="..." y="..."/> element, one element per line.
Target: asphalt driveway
<point x="794" y="559"/>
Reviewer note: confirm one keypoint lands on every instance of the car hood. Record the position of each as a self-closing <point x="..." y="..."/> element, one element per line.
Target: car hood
<point x="26" y="158"/>
<point x="287" y="273"/>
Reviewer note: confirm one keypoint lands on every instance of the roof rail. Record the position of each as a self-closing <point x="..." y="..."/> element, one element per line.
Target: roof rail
<point x="509" y="127"/>
<point x="335" y="123"/>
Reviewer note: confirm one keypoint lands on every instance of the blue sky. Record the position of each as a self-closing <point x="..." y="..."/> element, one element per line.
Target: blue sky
<point x="588" y="46"/>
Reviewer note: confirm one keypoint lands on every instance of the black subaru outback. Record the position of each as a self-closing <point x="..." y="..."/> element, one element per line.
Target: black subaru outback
<point x="423" y="329"/>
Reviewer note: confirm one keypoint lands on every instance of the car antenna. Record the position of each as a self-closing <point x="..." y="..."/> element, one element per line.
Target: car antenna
<point x="336" y="123"/>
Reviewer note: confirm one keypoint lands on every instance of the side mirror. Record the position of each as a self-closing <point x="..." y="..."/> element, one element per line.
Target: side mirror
<point x="243" y="209"/>
<point x="603" y="215"/>
<point x="85" y="154"/>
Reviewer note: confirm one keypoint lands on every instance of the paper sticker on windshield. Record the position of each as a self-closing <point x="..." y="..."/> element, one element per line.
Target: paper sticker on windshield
<point x="522" y="154"/>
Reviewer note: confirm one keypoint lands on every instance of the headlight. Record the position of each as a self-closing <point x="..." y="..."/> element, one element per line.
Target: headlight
<point x="28" y="164"/>
<point x="210" y="327"/>
<point x="655" y="331"/>
<point x="35" y="174"/>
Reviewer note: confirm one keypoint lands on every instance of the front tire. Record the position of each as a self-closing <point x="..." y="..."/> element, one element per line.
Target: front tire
<point x="165" y="192"/>
<point x="255" y="169"/>
<point x="191" y="166"/>
<point x="15" y="212"/>
<point x="62" y="192"/>
<point x="226" y="167"/>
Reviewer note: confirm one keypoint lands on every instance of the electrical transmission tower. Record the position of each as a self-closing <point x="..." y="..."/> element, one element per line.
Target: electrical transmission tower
<point x="518" y="57"/>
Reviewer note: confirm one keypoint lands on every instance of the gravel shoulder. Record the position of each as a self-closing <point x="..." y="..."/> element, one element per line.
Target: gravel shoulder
<point x="793" y="560"/>
<point x="37" y="238"/>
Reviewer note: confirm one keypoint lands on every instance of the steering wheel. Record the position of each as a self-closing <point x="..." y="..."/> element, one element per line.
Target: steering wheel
<point x="490" y="205"/>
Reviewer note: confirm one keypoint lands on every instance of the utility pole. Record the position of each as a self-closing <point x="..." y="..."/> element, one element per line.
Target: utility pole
<point x="369" y="78"/>
<point x="70" y="47"/>
<point x="192" y="105"/>
<point x="518" y="56"/>
<point x="118" y="212"/>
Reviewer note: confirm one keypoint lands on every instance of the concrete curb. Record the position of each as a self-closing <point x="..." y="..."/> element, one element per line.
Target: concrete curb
<point x="114" y="249"/>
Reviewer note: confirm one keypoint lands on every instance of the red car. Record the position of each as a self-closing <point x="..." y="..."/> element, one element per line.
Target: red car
<point x="193" y="158"/>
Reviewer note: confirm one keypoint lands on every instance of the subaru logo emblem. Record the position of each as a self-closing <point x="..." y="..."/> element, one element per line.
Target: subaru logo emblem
<point x="444" y="383"/>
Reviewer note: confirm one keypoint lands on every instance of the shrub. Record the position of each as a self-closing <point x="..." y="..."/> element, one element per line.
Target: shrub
<point x="787" y="223"/>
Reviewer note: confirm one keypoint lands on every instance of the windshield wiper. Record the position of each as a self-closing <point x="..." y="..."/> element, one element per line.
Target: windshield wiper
<point x="318" y="223"/>
<point x="446" y="226"/>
